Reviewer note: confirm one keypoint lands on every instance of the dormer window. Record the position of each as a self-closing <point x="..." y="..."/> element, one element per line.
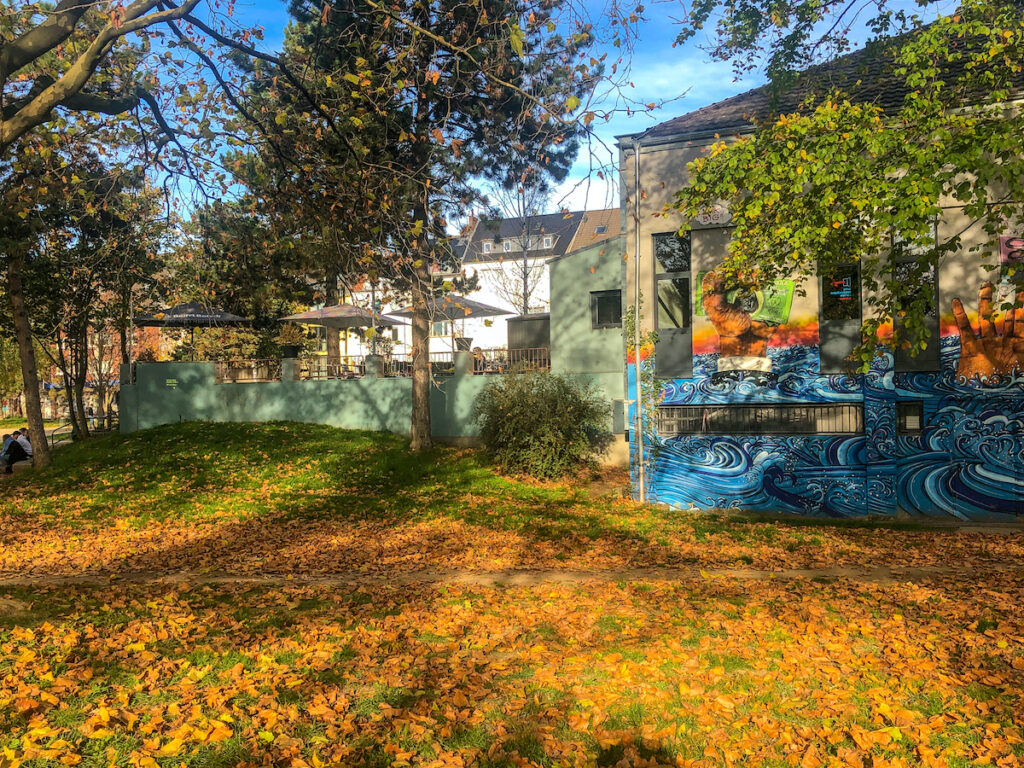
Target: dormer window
<point x="547" y="241"/>
<point x="507" y="246"/>
<point x="487" y="246"/>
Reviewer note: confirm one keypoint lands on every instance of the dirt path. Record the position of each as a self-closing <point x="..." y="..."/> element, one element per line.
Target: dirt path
<point x="881" y="575"/>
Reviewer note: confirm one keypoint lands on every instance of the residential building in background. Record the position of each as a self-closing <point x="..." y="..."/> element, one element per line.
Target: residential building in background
<point x="510" y="258"/>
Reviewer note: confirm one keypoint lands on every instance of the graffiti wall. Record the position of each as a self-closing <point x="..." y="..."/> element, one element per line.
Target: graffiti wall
<point x="936" y="444"/>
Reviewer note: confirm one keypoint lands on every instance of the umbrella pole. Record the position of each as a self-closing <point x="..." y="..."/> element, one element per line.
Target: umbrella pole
<point x="192" y="343"/>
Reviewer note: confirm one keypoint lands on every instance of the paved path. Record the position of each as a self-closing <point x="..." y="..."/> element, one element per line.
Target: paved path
<point x="881" y="575"/>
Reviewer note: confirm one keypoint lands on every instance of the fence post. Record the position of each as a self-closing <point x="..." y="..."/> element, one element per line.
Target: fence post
<point x="463" y="363"/>
<point x="374" y="367"/>
<point x="289" y="369"/>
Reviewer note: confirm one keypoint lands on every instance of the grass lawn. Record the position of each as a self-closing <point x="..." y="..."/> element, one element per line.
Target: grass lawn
<point x="625" y="669"/>
<point x="17" y="422"/>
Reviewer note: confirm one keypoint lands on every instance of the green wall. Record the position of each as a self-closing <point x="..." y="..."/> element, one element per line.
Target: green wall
<point x="577" y="348"/>
<point x="165" y="393"/>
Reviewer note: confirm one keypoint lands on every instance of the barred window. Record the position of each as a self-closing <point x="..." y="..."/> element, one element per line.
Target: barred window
<point x="910" y="417"/>
<point x="783" y="419"/>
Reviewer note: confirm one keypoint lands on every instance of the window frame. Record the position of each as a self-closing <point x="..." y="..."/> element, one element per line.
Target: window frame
<point x="901" y="417"/>
<point x="674" y="349"/>
<point x="486" y="246"/>
<point x="595" y="298"/>
<point x="929" y="360"/>
<point x="836" y="330"/>
<point x="547" y="242"/>
<point x="507" y="246"/>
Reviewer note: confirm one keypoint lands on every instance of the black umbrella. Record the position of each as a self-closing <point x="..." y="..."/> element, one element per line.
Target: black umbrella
<point x="191" y="316"/>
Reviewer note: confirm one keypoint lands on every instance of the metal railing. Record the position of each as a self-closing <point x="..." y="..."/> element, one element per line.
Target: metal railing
<point x="322" y="368"/>
<point x="511" y="360"/>
<point x="442" y="363"/>
<point x="399" y="364"/>
<point x="247" y="371"/>
<point x="767" y="419"/>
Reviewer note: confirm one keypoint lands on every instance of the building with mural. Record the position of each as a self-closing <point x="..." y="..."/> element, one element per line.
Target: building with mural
<point x="757" y="410"/>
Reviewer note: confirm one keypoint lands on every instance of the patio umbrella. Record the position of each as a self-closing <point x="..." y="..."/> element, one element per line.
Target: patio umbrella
<point x="343" y="316"/>
<point x="191" y="316"/>
<point x="454" y="307"/>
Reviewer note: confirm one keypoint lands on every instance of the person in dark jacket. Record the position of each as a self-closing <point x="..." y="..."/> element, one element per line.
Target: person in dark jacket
<point x="12" y="455"/>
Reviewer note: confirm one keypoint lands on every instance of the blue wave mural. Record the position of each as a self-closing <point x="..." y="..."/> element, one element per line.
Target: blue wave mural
<point x="966" y="463"/>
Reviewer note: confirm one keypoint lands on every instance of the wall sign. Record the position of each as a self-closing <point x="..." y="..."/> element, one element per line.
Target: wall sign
<point x="717" y="216"/>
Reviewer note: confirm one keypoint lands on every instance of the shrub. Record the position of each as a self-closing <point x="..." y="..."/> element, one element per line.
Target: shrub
<point x="542" y="424"/>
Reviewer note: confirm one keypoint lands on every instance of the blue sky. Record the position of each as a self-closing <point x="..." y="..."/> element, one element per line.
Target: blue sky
<point x="683" y="76"/>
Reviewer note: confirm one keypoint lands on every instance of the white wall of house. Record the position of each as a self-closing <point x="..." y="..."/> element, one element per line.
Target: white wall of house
<point x="494" y="334"/>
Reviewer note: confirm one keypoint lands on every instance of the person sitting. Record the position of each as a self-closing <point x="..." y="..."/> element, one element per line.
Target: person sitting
<point x="22" y="437"/>
<point x="13" y="452"/>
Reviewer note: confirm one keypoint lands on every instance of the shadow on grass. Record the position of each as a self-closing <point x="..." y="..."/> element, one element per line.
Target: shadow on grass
<point x="262" y="493"/>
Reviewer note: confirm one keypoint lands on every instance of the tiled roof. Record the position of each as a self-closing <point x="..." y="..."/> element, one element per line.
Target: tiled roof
<point x="560" y="226"/>
<point x="595" y="227"/>
<point x="866" y="76"/>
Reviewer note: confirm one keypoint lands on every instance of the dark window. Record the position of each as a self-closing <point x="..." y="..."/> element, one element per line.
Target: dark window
<point x="915" y="279"/>
<point x="845" y="419"/>
<point x="672" y="252"/>
<point x="917" y="283"/>
<point x="839" y="321"/>
<point x="840" y="294"/>
<point x="600" y="229"/>
<point x="673" y="301"/>
<point x="910" y="418"/>
<point x="606" y="309"/>
<point x="673" y="354"/>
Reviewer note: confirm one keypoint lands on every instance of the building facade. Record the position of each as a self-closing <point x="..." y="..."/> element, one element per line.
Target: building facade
<point x="756" y="411"/>
<point x="495" y="250"/>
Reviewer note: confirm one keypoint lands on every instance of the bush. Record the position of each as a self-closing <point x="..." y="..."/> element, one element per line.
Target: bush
<point x="542" y="424"/>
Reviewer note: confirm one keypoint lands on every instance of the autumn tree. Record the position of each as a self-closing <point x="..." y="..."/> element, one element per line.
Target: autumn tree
<point x="838" y="178"/>
<point x="403" y="107"/>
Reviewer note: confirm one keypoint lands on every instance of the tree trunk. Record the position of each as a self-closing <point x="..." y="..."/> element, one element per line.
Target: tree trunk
<point x="420" y="358"/>
<point x="80" y="367"/>
<point x="27" y="353"/>
<point x="333" y="334"/>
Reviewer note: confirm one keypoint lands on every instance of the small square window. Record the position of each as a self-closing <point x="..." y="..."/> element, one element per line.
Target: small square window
<point x="487" y="247"/>
<point x="600" y="229"/>
<point x="547" y="241"/>
<point x="606" y="309"/>
<point x="439" y="328"/>
<point x="910" y="418"/>
<point x="507" y="246"/>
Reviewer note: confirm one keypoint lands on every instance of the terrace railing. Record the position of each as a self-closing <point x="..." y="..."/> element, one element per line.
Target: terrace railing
<point x="247" y="371"/>
<point x="512" y="360"/>
<point x="487" y="361"/>
<point x="322" y="368"/>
